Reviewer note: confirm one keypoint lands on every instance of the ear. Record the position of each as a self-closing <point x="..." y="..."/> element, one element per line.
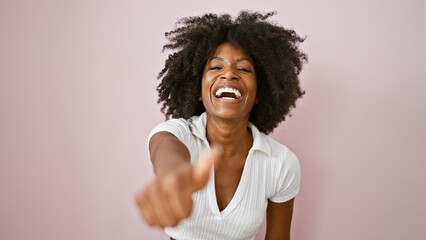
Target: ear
<point x="256" y="101"/>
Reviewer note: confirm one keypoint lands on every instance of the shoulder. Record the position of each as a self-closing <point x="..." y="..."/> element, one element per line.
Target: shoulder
<point x="284" y="172"/>
<point x="274" y="155"/>
<point x="176" y="126"/>
<point x="280" y="152"/>
<point x="184" y="129"/>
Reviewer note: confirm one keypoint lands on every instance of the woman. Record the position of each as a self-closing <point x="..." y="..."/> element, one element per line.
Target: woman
<point x="229" y="83"/>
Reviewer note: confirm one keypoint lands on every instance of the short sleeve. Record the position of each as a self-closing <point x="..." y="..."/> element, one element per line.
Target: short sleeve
<point x="288" y="183"/>
<point x="178" y="127"/>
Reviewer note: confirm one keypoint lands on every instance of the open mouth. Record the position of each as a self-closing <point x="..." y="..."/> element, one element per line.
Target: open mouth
<point x="228" y="93"/>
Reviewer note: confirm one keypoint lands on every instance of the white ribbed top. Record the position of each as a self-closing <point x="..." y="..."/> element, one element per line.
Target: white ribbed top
<point x="271" y="172"/>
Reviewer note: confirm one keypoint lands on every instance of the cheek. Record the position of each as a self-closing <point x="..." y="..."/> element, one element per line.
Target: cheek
<point x="206" y="83"/>
<point x="252" y="85"/>
<point x="203" y="85"/>
<point x="204" y="88"/>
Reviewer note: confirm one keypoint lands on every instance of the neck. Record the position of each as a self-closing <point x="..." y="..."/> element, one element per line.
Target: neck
<point x="232" y="134"/>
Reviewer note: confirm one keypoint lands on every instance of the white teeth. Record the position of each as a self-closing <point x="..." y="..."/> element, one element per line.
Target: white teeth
<point x="228" y="90"/>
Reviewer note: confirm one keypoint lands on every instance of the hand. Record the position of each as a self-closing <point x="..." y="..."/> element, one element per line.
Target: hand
<point x="167" y="200"/>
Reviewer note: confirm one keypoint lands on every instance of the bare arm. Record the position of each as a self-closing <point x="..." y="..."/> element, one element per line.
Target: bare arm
<point x="167" y="200"/>
<point x="167" y="152"/>
<point x="278" y="220"/>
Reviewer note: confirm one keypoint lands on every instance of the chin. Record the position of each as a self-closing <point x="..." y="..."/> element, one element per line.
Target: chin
<point x="229" y="114"/>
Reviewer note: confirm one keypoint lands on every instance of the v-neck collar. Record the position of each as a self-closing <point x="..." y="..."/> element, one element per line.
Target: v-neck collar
<point x="238" y="195"/>
<point x="259" y="144"/>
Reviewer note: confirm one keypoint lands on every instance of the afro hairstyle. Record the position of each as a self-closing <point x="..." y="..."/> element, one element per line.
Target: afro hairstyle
<point x="274" y="50"/>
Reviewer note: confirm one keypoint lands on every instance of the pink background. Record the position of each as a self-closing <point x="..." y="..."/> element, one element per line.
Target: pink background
<point x="77" y="100"/>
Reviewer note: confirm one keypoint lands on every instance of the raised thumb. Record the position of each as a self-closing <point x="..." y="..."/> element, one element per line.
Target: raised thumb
<point x="201" y="170"/>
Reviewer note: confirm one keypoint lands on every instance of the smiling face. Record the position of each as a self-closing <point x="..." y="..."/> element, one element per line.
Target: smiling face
<point x="228" y="87"/>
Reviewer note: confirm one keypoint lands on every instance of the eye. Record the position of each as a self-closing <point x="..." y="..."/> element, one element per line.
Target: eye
<point x="244" y="69"/>
<point x="215" y="68"/>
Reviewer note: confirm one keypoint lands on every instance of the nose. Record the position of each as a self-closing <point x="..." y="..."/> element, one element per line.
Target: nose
<point x="228" y="74"/>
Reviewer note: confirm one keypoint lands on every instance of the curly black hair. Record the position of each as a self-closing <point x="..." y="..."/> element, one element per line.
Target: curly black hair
<point x="274" y="50"/>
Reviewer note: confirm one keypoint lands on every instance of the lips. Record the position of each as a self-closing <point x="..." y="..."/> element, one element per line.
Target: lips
<point x="227" y="92"/>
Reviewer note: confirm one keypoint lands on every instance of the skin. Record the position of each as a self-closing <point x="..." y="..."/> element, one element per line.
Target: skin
<point x="167" y="200"/>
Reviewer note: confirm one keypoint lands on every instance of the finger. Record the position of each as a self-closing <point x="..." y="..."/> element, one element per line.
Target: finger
<point x="170" y="190"/>
<point x="165" y="214"/>
<point x="181" y="203"/>
<point x="201" y="170"/>
<point x="178" y="194"/>
<point x="161" y="212"/>
<point x="145" y="208"/>
<point x="147" y="215"/>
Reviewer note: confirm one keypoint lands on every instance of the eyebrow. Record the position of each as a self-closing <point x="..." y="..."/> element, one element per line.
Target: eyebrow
<point x="218" y="58"/>
<point x="222" y="59"/>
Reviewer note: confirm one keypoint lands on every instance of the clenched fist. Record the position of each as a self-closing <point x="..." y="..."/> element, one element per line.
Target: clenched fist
<point x="167" y="200"/>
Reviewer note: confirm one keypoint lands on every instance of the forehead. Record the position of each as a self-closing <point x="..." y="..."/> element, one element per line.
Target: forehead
<point x="228" y="51"/>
